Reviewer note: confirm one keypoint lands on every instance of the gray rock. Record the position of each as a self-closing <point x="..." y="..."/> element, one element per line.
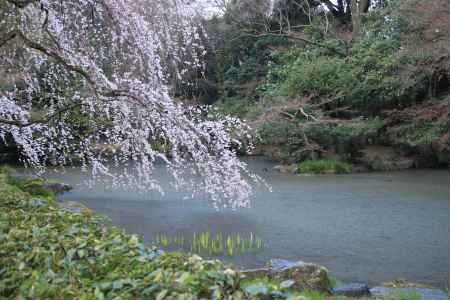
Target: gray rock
<point x="404" y="164"/>
<point x="352" y="290"/>
<point x="280" y="265"/>
<point x="306" y="276"/>
<point x="421" y="293"/>
<point x="57" y="188"/>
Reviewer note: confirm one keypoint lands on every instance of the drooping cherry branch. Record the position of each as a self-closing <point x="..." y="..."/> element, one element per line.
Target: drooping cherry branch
<point x="95" y="73"/>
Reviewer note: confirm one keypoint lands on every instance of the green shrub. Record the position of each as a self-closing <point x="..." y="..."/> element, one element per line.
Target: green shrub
<point x="250" y="70"/>
<point x="344" y="138"/>
<point x="346" y="134"/>
<point x="371" y="78"/>
<point x="32" y="186"/>
<point x="314" y="75"/>
<point x="417" y="133"/>
<point x="232" y="74"/>
<point x="324" y="166"/>
<point x="373" y="75"/>
<point x="334" y="281"/>
<point x="278" y="133"/>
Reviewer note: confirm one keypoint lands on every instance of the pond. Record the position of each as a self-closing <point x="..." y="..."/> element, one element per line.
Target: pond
<point x="370" y="227"/>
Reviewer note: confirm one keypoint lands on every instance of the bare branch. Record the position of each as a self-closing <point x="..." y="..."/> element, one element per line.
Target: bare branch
<point x="46" y="120"/>
<point x="292" y="37"/>
<point x="8" y="37"/>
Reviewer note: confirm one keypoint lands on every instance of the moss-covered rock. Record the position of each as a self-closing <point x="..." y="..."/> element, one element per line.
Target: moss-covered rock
<point x="302" y="276"/>
<point x="306" y="276"/>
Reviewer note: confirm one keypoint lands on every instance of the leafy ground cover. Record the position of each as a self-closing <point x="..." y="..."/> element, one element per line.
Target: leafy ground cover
<point x="50" y="253"/>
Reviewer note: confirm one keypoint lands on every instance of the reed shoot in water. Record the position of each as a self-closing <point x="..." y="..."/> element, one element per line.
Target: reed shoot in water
<point x="213" y="244"/>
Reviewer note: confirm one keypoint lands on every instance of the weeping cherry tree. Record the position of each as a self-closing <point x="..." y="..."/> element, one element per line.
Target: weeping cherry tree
<point x="80" y="74"/>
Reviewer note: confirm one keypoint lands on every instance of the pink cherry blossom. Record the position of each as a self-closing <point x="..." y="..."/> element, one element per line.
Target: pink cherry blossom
<point x="88" y="81"/>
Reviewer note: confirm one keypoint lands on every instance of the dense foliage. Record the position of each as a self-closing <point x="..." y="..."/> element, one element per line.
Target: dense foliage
<point x="325" y="93"/>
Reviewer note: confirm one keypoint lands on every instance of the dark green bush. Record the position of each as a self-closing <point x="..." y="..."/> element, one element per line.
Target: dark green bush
<point x="374" y="74"/>
<point x="371" y="78"/>
<point x="346" y="132"/>
<point x="277" y="133"/>
<point x="32" y="186"/>
<point x="345" y="138"/>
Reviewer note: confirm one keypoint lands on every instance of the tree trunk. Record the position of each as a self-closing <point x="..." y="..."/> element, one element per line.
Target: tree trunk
<point x="358" y="9"/>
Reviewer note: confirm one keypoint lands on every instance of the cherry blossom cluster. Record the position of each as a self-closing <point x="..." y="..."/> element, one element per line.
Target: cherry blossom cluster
<point x="86" y="81"/>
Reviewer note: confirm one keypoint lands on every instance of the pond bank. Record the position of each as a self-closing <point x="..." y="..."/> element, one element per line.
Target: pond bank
<point x="77" y="255"/>
<point x="374" y="227"/>
<point x="374" y="158"/>
<point x="53" y="252"/>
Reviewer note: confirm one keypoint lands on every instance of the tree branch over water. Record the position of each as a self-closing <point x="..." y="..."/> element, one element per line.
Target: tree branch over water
<point x="109" y="70"/>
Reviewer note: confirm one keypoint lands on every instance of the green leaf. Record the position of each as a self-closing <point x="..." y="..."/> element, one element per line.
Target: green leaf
<point x="162" y="294"/>
<point x="81" y="253"/>
<point x="99" y="294"/>
<point x="70" y="254"/>
<point x="105" y="286"/>
<point x="259" y="288"/>
<point x="287" y="284"/>
<point x="185" y="278"/>
<point x="134" y="241"/>
<point x="21" y="266"/>
<point x="117" y="285"/>
<point x="150" y="289"/>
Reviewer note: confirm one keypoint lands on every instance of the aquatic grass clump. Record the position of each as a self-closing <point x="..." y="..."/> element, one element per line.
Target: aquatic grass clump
<point x="324" y="166"/>
<point x="213" y="244"/>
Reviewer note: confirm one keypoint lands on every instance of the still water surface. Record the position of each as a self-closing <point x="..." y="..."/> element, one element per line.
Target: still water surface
<point x="363" y="227"/>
